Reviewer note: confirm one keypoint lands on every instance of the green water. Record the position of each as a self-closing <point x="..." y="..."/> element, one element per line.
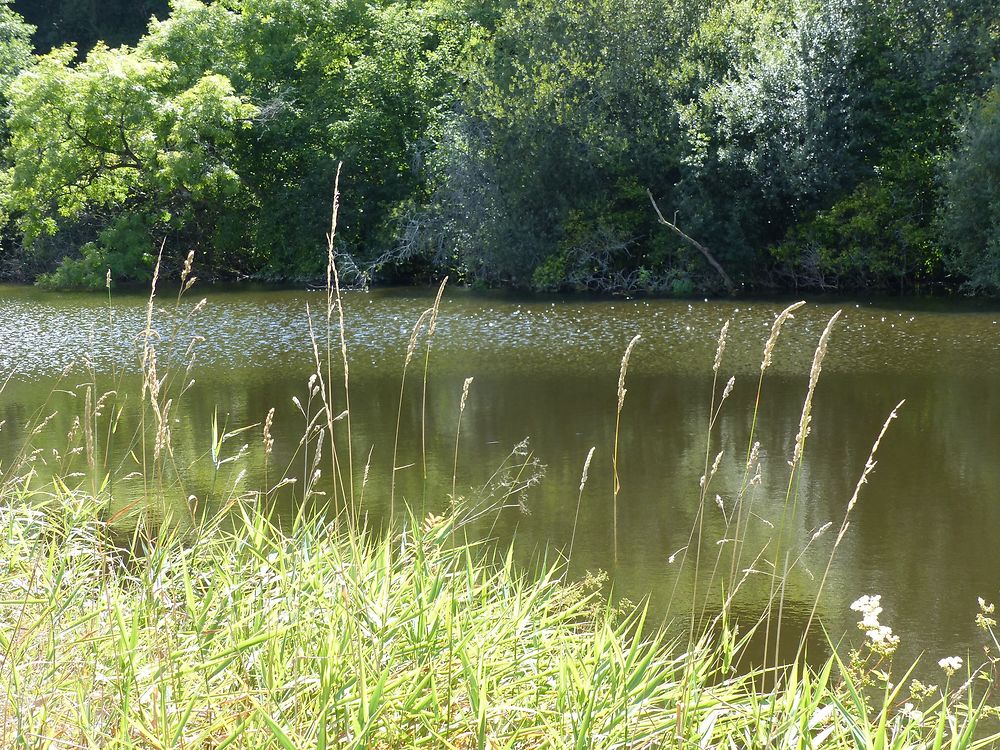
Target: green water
<point x="923" y="533"/>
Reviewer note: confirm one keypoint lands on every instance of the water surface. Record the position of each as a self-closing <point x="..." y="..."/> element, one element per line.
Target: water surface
<point x="923" y="533"/>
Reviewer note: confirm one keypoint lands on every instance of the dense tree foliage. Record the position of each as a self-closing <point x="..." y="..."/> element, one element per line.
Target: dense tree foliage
<point x="797" y="143"/>
<point x="971" y="212"/>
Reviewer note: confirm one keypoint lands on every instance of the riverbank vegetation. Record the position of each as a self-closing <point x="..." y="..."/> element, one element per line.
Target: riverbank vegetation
<point x="139" y="615"/>
<point x="237" y="634"/>
<point x="789" y="145"/>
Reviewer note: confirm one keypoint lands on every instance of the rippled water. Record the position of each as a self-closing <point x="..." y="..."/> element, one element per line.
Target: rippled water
<point x="923" y="534"/>
<point x="45" y="331"/>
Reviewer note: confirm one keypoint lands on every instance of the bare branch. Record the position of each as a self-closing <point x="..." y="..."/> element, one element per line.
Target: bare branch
<point x="694" y="243"/>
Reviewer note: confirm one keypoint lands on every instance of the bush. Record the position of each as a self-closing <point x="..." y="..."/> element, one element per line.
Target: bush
<point x="124" y="250"/>
<point x="879" y="236"/>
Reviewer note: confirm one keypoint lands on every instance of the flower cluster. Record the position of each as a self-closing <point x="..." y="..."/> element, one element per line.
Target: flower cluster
<point x="950" y="664"/>
<point x="985" y="619"/>
<point x="880" y="637"/>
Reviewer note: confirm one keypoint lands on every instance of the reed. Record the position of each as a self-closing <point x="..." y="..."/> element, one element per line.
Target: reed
<point x="458" y="433"/>
<point x="753" y="447"/>
<point x="411" y="347"/>
<point x="579" y="499"/>
<point x="783" y="546"/>
<point x="616" y="485"/>
<point x="431" y="328"/>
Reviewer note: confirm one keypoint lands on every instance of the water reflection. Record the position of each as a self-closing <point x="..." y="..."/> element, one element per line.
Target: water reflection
<point x="922" y="535"/>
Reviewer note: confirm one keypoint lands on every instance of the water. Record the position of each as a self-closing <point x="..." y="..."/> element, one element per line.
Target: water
<point x="922" y="535"/>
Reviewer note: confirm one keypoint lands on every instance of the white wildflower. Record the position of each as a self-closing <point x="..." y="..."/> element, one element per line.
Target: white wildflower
<point x="881" y="635"/>
<point x="913" y="714"/>
<point x="870" y="607"/>
<point x="881" y="638"/>
<point x="950" y="664"/>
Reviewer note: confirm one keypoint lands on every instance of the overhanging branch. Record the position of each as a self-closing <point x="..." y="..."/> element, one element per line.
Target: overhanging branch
<point x="730" y="286"/>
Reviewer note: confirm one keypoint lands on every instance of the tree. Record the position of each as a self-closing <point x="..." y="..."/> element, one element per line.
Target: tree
<point x="113" y="137"/>
<point x="540" y="168"/>
<point x="15" y="46"/>
<point x="224" y="126"/>
<point x="15" y="56"/>
<point x="970" y="218"/>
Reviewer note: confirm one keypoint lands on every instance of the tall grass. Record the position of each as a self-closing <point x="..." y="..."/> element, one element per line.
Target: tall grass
<point x="221" y="628"/>
<point x="239" y="634"/>
<point x="616" y="484"/>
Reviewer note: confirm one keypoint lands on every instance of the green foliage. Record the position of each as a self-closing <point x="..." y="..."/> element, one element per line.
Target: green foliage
<point x="15" y="46"/>
<point x="971" y="212"/>
<point x="550" y="274"/>
<point x="225" y="124"/>
<point x="912" y="67"/>
<point x="312" y="637"/>
<point x="511" y="143"/>
<point x="124" y="250"/>
<point x="767" y="130"/>
<point x="114" y="141"/>
<point x="816" y="130"/>
<point x="15" y="56"/>
<point x="565" y="113"/>
<point x="799" y="141"/>
<point x="879" y="236"/>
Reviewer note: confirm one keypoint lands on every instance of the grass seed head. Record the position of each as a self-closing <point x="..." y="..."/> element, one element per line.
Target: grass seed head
<point x="772" y="340"/>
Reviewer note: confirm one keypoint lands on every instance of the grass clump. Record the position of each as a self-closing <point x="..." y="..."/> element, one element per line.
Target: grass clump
<point x="237" y="634"/>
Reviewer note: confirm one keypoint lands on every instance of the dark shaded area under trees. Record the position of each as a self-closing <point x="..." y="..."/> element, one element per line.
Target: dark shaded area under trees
<point x="84" y="23"/>
<point x="806" y="144"/>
